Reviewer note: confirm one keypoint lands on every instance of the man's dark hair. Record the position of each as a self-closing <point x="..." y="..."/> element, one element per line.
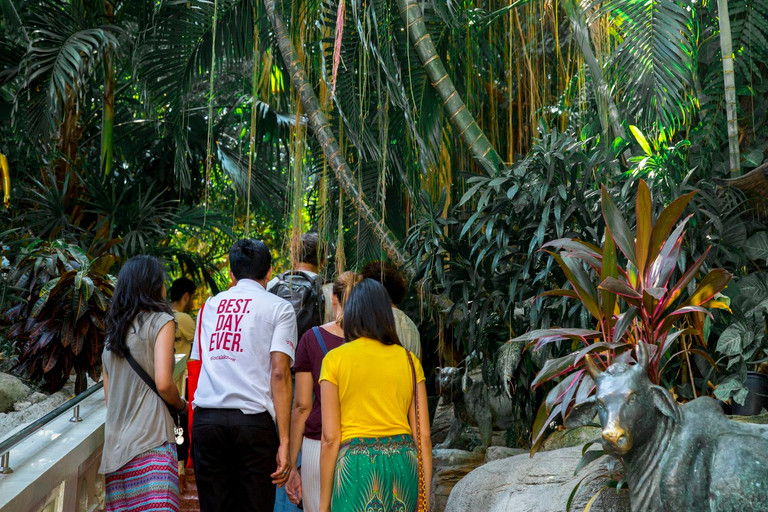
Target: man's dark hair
<point x="388" y="275"/>
<point x="249" y="259"/>
<point x="308" y="250"/>
<point x="181" y="286"/>
<point x="368" y="314"/>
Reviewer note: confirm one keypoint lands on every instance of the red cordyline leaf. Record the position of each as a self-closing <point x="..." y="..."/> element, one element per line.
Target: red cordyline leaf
<point x="340" y="14"/>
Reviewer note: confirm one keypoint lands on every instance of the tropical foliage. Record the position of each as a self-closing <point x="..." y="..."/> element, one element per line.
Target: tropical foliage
<point x="453" y="138"/>
<point x="636" y="300"/>
<point x="58" y="324"/>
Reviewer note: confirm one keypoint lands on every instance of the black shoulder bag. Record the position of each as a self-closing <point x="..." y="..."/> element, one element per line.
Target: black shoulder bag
<point x="178" y="430"/>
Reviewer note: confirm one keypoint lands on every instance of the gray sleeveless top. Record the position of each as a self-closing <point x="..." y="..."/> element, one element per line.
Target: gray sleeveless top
<point x="137" y="419"/>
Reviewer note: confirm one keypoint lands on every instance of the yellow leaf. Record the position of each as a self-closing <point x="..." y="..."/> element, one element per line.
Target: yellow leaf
<point x="592" y="501"/>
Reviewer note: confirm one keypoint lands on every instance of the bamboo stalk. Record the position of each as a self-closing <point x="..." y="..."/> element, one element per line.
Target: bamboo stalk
<point x="455" y="108"/>
<point x="726" y="50"/>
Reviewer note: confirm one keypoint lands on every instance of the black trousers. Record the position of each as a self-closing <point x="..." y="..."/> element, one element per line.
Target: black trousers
<point x="234" y="454"/>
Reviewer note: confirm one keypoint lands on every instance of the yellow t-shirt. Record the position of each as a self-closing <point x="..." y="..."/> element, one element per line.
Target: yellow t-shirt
<point x="185" y="333"/>
<point x="375" y="387"/>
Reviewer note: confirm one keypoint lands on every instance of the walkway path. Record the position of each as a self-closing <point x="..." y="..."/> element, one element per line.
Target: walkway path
<point x="189" y="499"/>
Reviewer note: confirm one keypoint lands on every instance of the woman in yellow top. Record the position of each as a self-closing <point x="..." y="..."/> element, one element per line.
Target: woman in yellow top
<point x="368" y="458"/>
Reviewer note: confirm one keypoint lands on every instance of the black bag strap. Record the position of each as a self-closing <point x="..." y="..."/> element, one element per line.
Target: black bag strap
<point x="143" y="375"/>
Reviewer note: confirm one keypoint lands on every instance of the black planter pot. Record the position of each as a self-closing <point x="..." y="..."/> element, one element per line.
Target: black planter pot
<point x="757" y="398"/>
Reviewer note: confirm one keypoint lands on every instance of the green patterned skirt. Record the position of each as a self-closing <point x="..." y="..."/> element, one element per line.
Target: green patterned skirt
<point x="376" y="475"/>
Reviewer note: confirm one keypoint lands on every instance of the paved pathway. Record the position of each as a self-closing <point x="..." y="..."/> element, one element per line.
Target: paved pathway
<point x="189" y="500"/>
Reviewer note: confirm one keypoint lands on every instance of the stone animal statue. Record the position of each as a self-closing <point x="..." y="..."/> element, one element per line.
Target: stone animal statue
<point x="678" y="458"/>
<point x="476" y="405"/>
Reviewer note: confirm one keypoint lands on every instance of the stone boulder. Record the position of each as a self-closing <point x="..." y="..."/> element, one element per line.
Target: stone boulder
<point x="568" y="438"/>
<point x="448" y="467"/>
<point x="441" y="422"/>
<point x="539" y="484"/>
<point x="502" y="452"/>
<point x="12" y="390"/>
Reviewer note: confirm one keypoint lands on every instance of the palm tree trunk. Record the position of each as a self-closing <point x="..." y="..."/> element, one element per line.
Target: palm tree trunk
<point x="108" y="102"/>
<point x="726" y="50"/>
<point x="604" y="99"/>
<point x="333" y="153"/>
<point x="108" y="115"/>
<point x="460" y="117"/>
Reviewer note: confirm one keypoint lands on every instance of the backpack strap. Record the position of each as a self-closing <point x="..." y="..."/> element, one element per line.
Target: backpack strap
<point x="320" y="340"/>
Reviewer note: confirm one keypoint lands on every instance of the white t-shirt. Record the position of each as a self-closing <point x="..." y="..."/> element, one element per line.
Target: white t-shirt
<point x="238" y="330"/>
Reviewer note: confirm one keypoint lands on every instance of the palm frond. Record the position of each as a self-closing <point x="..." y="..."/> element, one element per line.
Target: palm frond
<point x="64" y="48"/>
<point x="654" y="64"/>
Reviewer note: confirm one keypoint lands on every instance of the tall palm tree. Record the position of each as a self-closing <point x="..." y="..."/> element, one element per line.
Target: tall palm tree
<point x="460" y="117"/>
<point x="726" y="50"/>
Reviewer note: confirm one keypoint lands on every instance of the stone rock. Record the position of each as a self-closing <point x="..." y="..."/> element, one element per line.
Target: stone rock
<point x="448" y="467"/>
<point x="36" y="397"/>
<point x="20" y="406"/>
<point x="568" y="438"/>
<point x="441" y="422"/>
<point x="12" y="390"/>
<point x="16" y="420"/>
<point x="502" y="452"/>
<point x="539" y="484"/>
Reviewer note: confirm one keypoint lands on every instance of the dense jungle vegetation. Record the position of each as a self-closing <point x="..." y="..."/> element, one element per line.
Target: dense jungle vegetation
<point x="454" y="138"/>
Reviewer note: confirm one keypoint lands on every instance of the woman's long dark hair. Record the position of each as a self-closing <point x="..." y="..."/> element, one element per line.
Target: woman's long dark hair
<point x="139" y="289"/>
<point x="368" y="314"/>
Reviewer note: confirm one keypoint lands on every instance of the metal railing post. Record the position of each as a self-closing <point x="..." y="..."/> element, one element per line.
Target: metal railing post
<point x="76" y="414"/>
<point x="5" y="464"/>
<point x="6" y="445"/>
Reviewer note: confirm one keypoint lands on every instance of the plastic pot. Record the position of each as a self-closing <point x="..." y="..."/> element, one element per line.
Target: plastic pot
<point x="757" y="398"/>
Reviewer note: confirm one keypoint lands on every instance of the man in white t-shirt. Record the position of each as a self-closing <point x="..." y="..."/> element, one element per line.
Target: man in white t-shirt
<point x="247" y="342"/>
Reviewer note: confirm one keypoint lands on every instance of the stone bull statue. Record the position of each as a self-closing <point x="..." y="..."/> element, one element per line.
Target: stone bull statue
<point x="679" y="458"/>
<point x="473" y="404"/>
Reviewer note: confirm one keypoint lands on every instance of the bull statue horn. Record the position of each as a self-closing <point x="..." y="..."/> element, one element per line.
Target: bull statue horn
<point x="642" y="355"/>
<point x="592" y="368"/>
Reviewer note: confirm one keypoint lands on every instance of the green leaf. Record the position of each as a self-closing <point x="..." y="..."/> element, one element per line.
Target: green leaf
<point x="624" y="321"/>
<point x="38" y="307"/>
<point x="553" y="368"/>
<point x="712" y="284"/>
<point x="588" y="458"/>
<point x="558" y="334"/>
<point x="756" y="247"/>
<point x="577" y="277"/>
<point x="618" y="227"/>
<point x="640" y="138"/>
<point x="655" y="61"/>
<point x="733" y="340"/>
<point x="679" y="286"/>
<point x="610" y="269"/>
<point x="79" y="303"/>
<point x="620" y="288"/>
<point x="732" y="385"/>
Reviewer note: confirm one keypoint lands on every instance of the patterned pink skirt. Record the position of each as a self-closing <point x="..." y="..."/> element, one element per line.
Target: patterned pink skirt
<point x="148" y="483"/>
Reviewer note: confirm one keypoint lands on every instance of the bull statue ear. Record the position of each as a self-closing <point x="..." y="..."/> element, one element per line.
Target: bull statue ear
<point x="592" y="368"/>
<point x="665" y="403"/>
<point x="641" y="351"/>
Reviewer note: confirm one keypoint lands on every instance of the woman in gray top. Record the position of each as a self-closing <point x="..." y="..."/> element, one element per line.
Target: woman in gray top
<point x="139" y="458"/>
